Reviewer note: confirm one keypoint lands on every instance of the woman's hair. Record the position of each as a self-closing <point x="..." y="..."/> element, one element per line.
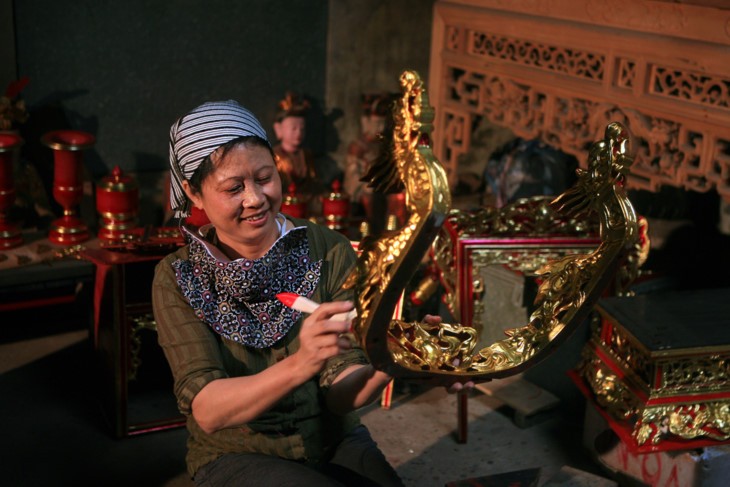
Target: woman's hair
<point x="206" y="166"/>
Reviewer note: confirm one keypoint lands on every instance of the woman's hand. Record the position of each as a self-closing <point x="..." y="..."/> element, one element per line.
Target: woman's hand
<point x="319" y="337"/>
<point x="355" y="387"/>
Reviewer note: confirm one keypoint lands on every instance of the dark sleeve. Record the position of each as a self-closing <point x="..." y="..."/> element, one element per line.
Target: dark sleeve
<point x="190" y="346"/>
<point x="341" y="258"/>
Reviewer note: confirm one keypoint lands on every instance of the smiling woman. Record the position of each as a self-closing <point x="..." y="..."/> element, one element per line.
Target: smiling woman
<point x="269" y="393"/>
<point x="241" y="196"/>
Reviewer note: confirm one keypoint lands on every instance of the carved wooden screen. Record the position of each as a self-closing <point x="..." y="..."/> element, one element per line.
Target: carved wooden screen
<point x="560" y="70"/>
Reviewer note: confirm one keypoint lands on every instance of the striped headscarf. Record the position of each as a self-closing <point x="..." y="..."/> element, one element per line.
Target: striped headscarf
<point x="196" y="135"/>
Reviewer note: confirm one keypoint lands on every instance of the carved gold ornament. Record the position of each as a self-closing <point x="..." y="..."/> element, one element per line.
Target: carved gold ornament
<point x="569" y="286"/>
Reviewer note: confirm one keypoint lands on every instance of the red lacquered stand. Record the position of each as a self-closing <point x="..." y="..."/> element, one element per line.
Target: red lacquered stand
<point x="67" y="148"/>
<point x="9" y="233"/>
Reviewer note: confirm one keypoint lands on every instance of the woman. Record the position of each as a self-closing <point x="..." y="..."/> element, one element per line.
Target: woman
<point x="269" y="393"/>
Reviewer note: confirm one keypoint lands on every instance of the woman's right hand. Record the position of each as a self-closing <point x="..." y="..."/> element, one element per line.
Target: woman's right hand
<point x="319" y="337"/>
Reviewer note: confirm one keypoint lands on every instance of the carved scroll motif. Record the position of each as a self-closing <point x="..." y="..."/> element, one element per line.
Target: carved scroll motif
<point x="573" y="62"/>
<point x="679" y="117"/>
<point x="702" y="418"/>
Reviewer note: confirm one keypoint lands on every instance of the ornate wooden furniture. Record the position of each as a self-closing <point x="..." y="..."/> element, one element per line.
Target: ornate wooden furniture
<point x="135" y="382"/>
<point x="561" y="70"/>
<point x="489" y="255"/>
<point x="658" y="367"/>
<point x="488" y="260"/>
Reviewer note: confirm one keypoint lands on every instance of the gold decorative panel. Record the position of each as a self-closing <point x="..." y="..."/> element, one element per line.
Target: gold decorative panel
<point x="520" y="238"/>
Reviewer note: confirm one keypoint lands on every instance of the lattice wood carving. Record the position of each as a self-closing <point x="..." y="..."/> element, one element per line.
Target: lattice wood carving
<point x="561" y="70"/>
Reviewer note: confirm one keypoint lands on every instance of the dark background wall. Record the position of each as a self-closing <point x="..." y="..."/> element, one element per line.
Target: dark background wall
<point x="125" y="71"/>
<point x="7" y="44"/>
<point x="369" y="44"/>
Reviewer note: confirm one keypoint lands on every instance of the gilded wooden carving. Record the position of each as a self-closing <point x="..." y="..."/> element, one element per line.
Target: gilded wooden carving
<point x="523" y="236"/>
<point x="666" y="383"/>
<point x="568" y="286"/>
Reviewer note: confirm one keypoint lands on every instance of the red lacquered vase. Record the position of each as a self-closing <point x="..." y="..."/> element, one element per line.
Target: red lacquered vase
<point x="292" y="204"/>
<point x="9" y="146"/>
<point x="197" y="217"/>
<point x="336" y="208"/>
<point x="117" y="202"/>
<point x="68" y="147"/>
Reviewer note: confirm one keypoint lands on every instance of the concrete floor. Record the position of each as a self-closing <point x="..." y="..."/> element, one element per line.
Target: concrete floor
<point x="418" y="436"/>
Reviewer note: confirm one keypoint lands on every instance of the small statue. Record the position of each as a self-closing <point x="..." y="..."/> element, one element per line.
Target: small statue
<point x="364" y="150"/>
<point x="374" y="206"/>
<point x="13" y="111"/>
<point x="295" y="162"/>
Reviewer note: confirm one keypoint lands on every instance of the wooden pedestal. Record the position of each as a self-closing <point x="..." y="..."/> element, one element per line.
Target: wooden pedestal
<point x="135" y="382"/>
<point x="657" y="366"/>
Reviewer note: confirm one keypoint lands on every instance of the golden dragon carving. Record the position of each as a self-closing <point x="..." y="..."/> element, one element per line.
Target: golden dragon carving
<point x="445" y="353"/>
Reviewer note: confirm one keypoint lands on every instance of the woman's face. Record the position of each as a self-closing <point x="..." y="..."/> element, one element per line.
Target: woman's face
<point x="242" y="198"/>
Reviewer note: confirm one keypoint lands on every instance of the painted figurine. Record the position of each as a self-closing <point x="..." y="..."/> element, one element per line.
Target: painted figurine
<point x="364" y="150"/>
<point x="295" y="162"/>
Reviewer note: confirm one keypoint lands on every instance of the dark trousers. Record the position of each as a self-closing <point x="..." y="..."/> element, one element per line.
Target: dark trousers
<point x="358" y="462"/>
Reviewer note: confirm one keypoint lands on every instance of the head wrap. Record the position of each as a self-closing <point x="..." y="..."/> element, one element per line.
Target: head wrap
<point x="196" y="135"/>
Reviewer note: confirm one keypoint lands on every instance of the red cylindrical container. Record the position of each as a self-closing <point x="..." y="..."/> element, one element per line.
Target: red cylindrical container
<point x="117" y="196"/>
<point x="67" y="148"/>
<point x="292" y="204"/>
<point x="336" y="208"/>
<point x="117" y="202"/>
<point x="9" y="233"/>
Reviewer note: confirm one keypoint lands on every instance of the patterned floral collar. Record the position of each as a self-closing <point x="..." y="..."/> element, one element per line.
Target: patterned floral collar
<point x="237" y="298"/>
